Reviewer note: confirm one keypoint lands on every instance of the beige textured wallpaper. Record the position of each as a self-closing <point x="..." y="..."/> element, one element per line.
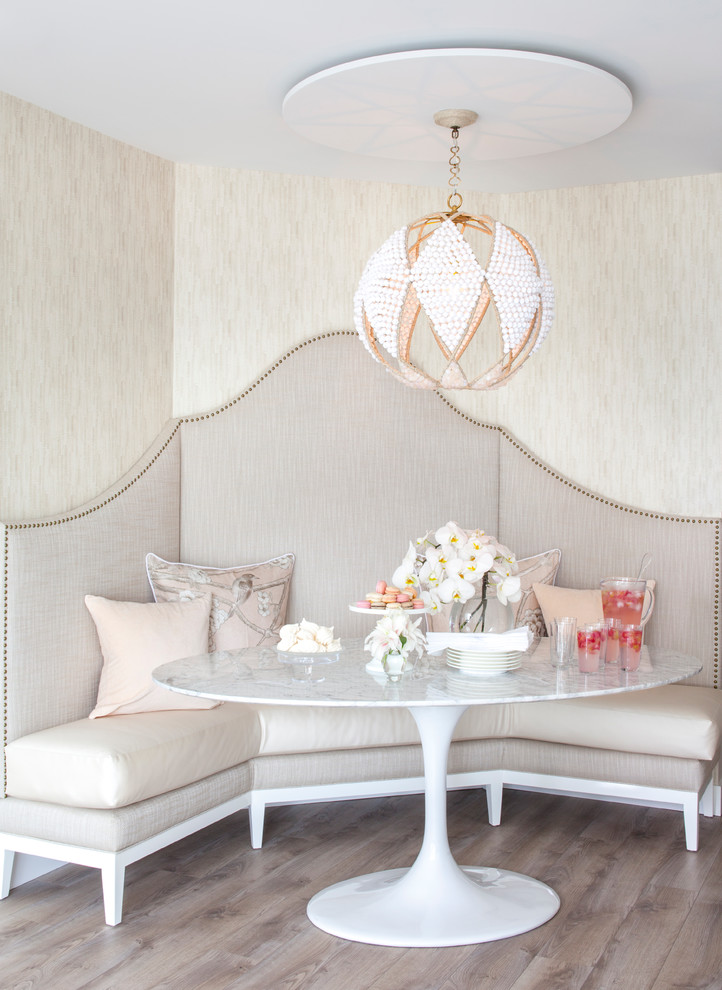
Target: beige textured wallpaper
<point x="86" y="304"/>
<point x="134" y="289"/>
<point x="624" y="395"/>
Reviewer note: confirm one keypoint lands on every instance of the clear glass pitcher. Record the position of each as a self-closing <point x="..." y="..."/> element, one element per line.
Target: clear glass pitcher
<point x="623" y="599"/>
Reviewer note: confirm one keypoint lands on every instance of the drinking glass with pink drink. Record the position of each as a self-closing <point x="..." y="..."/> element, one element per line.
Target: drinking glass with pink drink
<point x="612" y="629"/>
<point x="623" y="599"/>
<point x="589" y="647"/>
<point x="630" y="647"/>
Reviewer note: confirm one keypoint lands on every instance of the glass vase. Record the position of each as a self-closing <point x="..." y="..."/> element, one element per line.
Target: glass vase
<point x="482" y="613"/>
<point x="395" y="664"/>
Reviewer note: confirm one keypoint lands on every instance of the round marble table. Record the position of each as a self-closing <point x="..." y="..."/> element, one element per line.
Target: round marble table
<point x="435" y="902"/>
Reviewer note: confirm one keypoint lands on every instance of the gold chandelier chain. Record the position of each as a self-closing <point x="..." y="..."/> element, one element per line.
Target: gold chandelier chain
<point x="455" y="200"/>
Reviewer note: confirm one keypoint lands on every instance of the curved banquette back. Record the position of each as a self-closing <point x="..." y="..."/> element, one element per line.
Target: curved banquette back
<point x="327" y="456"/>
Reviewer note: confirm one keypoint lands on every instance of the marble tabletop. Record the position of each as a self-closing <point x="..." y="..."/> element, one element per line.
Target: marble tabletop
<point x="258" y="675"/>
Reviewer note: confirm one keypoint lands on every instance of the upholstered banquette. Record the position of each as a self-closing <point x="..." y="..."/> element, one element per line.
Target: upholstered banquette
<point x="327" y="458"/>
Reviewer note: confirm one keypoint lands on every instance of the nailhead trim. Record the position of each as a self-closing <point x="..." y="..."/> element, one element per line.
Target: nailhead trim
<point x="256" y="383"/>
<point x="621" y="508"/>
<point x="6" y="549"/>
<point x="111" y="498"/>
<point x="277" y="364"/>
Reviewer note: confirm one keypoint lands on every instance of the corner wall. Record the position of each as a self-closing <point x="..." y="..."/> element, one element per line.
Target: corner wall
<point x="86" y="309"/>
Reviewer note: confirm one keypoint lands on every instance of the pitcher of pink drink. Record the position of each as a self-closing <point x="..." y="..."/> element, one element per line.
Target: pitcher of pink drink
<point x="623" y="599"/>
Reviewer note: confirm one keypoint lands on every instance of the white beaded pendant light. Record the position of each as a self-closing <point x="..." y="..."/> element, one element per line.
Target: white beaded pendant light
<point x="453" y="286"/>
<point x="429" y="268"/>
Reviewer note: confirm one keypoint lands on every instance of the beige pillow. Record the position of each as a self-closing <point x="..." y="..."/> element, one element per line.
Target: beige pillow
<point x="585" y="606"/>
<point x="136" y="637"/>
<point x="248" y="603"/>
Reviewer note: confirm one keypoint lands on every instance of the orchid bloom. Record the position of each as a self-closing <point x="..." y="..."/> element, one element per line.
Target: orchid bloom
<point x="478" y="539"/>
<point x="506" y="555"/>
<point x="450" y="535"/>
<point x="477" y="561"/>
<point x="508" y="585"/>
<point x="456" y="589"/>
<point x="431" y="574"/>
<point x="431" y="601"/>
<point x="405" y="574"/>
<point x="464" y="569"/>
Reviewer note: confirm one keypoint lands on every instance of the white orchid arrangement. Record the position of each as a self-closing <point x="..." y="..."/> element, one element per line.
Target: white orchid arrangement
<point x="395" y="634"/>
<point x="447" y="564"/>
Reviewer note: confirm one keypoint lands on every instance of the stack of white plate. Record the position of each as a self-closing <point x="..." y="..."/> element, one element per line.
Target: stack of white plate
<point x="483" y="661"/>
<point x="472" y="686"/>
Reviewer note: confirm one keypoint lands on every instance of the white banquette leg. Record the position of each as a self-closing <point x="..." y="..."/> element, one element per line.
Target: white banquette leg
<point x="690" y="809"/>
<point x="706" y="801"/>
<point x="6" y="871"/>
<point x="692" y="804"/>
<point x="308" y="794"/>
<point x="113" y="880"/>
<point x="111" y="864"/>
<point x="494" y="795"/>
<point x="256" y="818"/>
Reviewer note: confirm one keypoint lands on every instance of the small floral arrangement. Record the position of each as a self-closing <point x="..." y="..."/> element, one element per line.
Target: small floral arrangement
<point x="447" y="564"/>
<point x="394" y="635"/>
<point x="307" y="637"/>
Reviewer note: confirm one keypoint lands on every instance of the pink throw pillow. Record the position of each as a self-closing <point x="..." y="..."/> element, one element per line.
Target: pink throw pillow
<point x="136" y="637"/>
<point x="585" y="605"/>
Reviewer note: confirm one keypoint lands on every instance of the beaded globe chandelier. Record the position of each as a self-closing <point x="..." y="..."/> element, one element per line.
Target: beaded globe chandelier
<point x="427" y="278"/>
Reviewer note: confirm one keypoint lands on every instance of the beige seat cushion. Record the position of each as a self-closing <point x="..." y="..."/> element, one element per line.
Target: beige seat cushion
<point x="665" y="721"/>
<point x="295" y="729"/>
<point x="114" y="762"/>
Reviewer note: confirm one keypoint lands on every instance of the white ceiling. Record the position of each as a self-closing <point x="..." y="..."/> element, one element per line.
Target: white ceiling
<point x="203" y="81"/>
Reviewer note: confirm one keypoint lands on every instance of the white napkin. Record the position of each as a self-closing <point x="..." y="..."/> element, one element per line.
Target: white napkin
<point x="511" y="641"/>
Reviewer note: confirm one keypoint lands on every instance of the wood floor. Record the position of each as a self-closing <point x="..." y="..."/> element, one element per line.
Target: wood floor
<point x="638" y="911"/>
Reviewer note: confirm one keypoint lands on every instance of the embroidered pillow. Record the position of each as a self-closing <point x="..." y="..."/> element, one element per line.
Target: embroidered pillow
<point x="248" y="603"/>
<point x="137" y="637"/>
<point x="540" y="569"/>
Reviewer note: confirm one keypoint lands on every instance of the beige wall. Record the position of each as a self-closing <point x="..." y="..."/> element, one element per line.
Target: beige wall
<point x="112" y="319"/>
<point x="86" y="304"/>
<point x="623" y="397"/>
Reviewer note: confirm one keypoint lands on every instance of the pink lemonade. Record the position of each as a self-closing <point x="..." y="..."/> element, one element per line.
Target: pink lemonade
<point x="631" y="646"/>
<point x="623" y="599"/>
<point x="613" y="633"/>
<point x="589" y="642"/>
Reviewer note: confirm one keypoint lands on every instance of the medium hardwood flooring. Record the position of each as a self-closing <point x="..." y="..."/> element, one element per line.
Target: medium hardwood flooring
<point x="638" y="911"/>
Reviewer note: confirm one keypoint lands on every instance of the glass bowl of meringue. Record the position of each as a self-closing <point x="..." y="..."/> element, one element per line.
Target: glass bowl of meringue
<point x="306" y="645"/>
